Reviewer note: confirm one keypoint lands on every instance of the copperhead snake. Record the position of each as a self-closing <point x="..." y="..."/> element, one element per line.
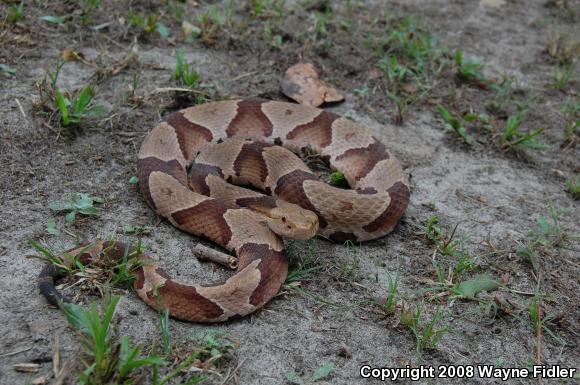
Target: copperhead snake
<point x="248" y="142"/>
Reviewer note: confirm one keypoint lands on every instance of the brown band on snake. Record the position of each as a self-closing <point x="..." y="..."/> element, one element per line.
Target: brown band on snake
<point x="249" y="119"/>
<point x="251" y="162"/>
<point x="182" y="300"/>
<point x="289" y="188"/>
<point x="214" y="226"/>
<point x="399" y="193"/>
<point x="197" y="177"/>
<point x="364" y="158"/>
<point x="276" y="263"/>
<point x="318" y="132"/>
<point x="188" y="133"/>
<point x="265" y="201"/>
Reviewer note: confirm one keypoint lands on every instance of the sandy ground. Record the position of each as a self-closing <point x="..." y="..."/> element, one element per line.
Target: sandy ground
<point x="495" y="196"/>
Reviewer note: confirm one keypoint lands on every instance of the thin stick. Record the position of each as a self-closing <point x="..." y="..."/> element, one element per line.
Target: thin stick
<point x="233" y="372"/>
<point x="20" y="108"/>
<point x="172" y="89"/>
<point x="65" y="371"/>
<point x="15" y="352"/>
<point x="55" y="356"/>
<point x="204" y="253"/>
<point x="242" y="76"/>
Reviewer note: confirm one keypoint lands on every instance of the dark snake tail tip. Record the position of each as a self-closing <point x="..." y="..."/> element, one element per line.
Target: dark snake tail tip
<point x="46" y="282"/>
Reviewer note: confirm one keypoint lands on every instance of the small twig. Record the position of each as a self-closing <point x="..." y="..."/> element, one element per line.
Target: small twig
<point x="15" y="352"/>
<point x="118" y="66"/>
<point x="233" y="372"/>
<point x="65" y="370"/>
<point x="173" y="89"/>
<point x="55" y="356"/>
<point x="101" y="26"/>
<point x="572" y="263"/>
<point x="204" y="253"/>
<point x="20" y="107"/>
<point x="520" y="292"/>
<point x="242" y="76"/>
<point x="127" y="134"/>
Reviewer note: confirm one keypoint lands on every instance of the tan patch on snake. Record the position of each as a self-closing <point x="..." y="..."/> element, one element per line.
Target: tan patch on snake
<point x="146" y="166"/>
<point x="233" y="297"/>
<point x="169" y="195"/>
<point x="344" y="209"/>
<point x="258" y="233"/>
<point x="150" y="281"/>
<point x="224" y="156"/>
<point x="347" y="135"/>
<point x="162" y="143"/>
<point x="385" y="174"/>
<point x="281" y="162"/>
<point x="287" y="116"/>
<point x="220" y="189"/>
<point x="216" y="117"/>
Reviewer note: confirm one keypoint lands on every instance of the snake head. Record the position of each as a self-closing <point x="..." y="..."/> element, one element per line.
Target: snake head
<point x="292" y="221"/>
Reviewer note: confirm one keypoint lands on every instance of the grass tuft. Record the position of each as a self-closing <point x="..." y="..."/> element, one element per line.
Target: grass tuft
<point x="512" y="136"/>
<point x="15" y="13"/>
<point x="573" y="188"/>
<point x="427" y="333"/>
<point x="454" y="124"/>
<point x="469" y="71"/>
<point x="183" y="73"/>
<point x="108" y="358"/>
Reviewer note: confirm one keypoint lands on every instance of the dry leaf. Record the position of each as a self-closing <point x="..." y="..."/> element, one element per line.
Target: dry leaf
<point x="27" y="367"/>
<point x="302" y="83"/>
<point x="505" y="278"/>
<point x="505" y="305"/>
<point x="410" y="88"/>
<point x="70" y="54"/>
<point x="189" y="29"/>
<point x="375" y="73"/>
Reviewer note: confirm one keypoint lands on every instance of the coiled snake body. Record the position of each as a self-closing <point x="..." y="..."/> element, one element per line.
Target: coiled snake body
<point x="238" y="141"/>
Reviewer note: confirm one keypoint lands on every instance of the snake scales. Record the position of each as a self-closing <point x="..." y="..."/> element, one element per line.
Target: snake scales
<point x="248" y="142"/>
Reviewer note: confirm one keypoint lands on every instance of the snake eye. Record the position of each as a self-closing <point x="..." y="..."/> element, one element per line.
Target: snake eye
<point x="284" y="219"/>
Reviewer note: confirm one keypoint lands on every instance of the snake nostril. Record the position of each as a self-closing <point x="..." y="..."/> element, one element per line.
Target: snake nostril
<point x="284" y="219"/>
